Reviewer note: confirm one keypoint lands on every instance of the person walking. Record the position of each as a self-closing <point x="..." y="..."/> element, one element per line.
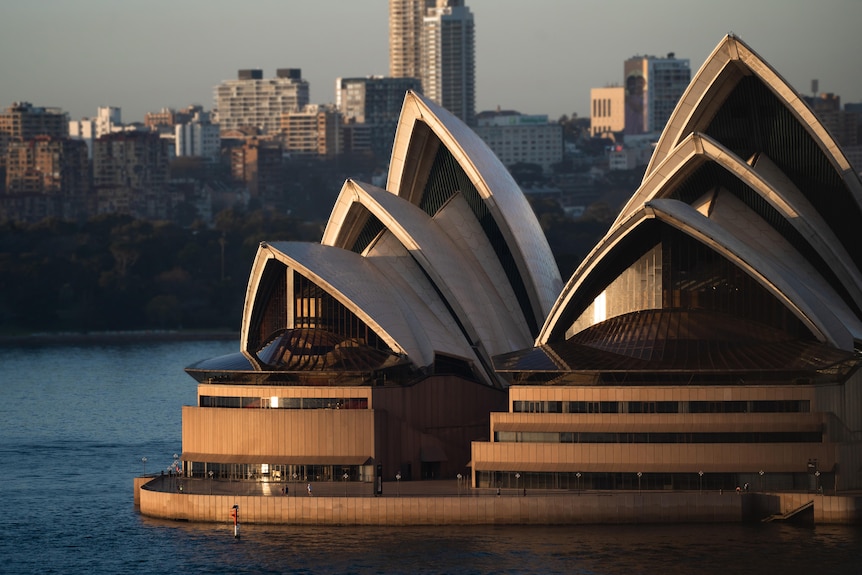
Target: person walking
<point x="308" y="487"/>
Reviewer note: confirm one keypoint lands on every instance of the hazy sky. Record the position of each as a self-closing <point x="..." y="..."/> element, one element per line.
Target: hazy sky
<point x="536" y="56"/>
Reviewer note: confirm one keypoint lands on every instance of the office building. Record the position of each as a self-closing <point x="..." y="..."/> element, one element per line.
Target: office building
<point x="252" y="100"/>
<point x="375" y="102"/>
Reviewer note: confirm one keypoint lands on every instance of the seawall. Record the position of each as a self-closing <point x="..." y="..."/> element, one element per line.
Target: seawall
<point x="465" y="509"/>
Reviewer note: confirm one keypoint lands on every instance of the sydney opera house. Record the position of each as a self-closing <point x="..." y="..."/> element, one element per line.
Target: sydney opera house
<point x="710" y="339"/>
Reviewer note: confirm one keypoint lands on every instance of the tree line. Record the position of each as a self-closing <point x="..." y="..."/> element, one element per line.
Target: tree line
<point x="114" y="272"/>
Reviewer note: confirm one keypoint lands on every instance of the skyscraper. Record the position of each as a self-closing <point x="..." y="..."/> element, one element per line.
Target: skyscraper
<point x="405" y="33"/>
<point x="653" y="86"/>
<point x="448" y="62"/>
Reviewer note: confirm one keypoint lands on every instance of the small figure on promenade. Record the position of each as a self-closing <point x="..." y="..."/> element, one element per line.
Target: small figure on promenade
<point x="738" y="490"/>
<point x="308" y="487"/>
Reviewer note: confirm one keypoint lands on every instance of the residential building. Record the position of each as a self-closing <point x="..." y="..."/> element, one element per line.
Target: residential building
<point x="257" y="163"/>
<point x="167" y="118"/>
<point x="109" y="119"/>
<point x="47" y="165"/>
<point x="130" y="173"/>
<point x="405" y="37"/>
<point x="198" y="137"/>
<point x="653" y="86"/>
<point x="374" y="101"/>
<point x="522" y="139"/>
<point x="316" y="131"/>
<point x="448" y="60"/>
<point x="24" y="121"/>
<point x="85" y="131"/>
<point x="252" y="100"/>
<point x="607" y="111"/>
<point x="46" y="177"/>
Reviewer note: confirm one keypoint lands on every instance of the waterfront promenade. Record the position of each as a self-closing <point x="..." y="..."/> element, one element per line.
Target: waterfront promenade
<point x="448" y="503"/>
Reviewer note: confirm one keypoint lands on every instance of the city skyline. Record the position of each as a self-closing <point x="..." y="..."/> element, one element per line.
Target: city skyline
<point x="142" y="56"/>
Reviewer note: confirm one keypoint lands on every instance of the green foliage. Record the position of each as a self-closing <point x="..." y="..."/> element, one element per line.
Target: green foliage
<point x="117" y="273"/>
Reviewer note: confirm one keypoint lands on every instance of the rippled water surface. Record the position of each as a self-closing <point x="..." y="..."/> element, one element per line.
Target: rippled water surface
<point x="76" y="421"/>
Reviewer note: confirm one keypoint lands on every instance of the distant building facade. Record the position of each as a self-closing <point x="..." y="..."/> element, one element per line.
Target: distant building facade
<point x="130" y="174"/>
<point x="448" y="59"/>
<point x="252" y="100"/>
<point x="166" y="119"/>
<point x="315" y="131"/>
<point x="24" y="121"/>
<point x="46" y="177"/>
<point x="375" y="102"/>
<point x="405" y="37"/>
<point x="109" y="119"/>
<point x="607" y="111"/>
<point x="198" y="137"/>
<point x="257" y="163"/>
<point x="653" y="86"/>
<point x="46" y="165"/>
<point x="519" y="138"/>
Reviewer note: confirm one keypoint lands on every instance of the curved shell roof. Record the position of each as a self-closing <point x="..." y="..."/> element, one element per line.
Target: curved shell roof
<point x="449" y="261"/>
<point x="749" y="188"/>
<point x="420" y="120"/>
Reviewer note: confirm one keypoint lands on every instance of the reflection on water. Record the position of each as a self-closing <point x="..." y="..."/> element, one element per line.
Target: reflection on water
<point x="75" y="422"/>
<point x="703" y="549"/>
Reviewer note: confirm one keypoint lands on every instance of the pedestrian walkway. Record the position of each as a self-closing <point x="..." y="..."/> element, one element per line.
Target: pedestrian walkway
<point x="436" y="487"/>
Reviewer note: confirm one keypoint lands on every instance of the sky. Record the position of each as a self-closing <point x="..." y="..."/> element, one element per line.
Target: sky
<point x="536" y="57"/>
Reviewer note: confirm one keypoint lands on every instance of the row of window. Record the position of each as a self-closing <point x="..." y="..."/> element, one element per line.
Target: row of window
<point x="275" y="472"/>
<point x="716" y="482"/>
<point x="276" y="402"/>
<point x="625" y="437"/>
<point x="755" y="406"/>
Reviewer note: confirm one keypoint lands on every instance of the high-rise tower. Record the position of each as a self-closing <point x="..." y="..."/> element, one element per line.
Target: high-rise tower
<point x="653" y="86"/>
<point x="405" y="34"/>
<point x="448" y="71"/>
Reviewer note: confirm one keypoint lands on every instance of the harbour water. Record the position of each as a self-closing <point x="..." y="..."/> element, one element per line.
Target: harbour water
<point x="76" y="421"/>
